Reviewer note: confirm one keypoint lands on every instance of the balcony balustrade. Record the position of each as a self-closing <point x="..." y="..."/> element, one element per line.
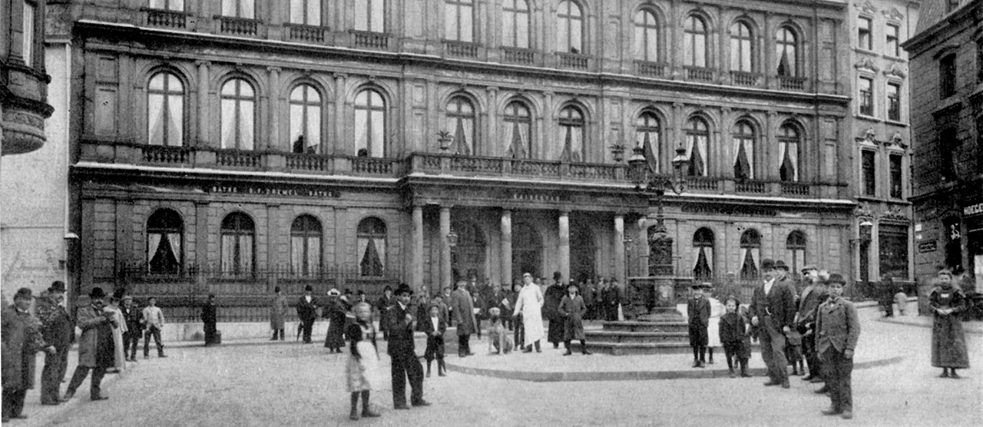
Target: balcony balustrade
<point x="795" y="189"/>
<point x="702" y="183"/>
<point x="751" y="186"/>
<point x="699" y="74"/>
<point x="238" y="26"/>
<point x="573" y="61"/>
<point x="460" y="49"/>
<point x="166" y="18"/>
<point x="743" y="78"/>
<point x="306" y="33"/>
<point x="516" y="55"/>
<point x="792" y="83"/>
<point x="369" y="40"/>
<point x="166" y="155"/>
<point x="650" y="69"/>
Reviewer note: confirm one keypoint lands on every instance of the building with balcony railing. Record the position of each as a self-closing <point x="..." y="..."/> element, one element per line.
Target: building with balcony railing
<point x="373" y="142"/>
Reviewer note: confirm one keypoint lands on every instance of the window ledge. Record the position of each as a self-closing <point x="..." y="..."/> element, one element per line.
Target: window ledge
<point x="950" y="103"/>
<point x="896" y="123"/>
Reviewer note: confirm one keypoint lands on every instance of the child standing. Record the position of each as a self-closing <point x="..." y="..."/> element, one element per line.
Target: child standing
<point x="362" y="370"/>
<point x="733" y="336"/>
<point x="435" y="327"/>
<point x="793" y="352"/>
<point x="698" y="312"/>
<point x="837" y="331"/>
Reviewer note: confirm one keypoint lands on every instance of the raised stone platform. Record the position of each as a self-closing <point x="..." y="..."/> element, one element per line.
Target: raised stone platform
<point x="662" y="331"/>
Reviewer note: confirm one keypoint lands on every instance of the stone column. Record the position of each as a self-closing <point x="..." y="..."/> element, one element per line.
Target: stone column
<point x="416" y="251"/>
<point x="564" y="244"/>
<point x="446" y="275"/>
<point x="273" y="140"/>
<point x="619" y="248"/>
<point x="339" y="146"/>
<point x="203" y="88"/>
<point x="506" y="228"/>
<point x="272" y="255"/>
<point x="492" y="146"/>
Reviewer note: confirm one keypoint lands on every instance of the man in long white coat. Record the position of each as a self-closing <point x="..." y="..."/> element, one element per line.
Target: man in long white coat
<point x="529" y="304"/>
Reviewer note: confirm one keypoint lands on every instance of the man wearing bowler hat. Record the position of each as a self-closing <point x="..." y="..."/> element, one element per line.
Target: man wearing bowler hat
<point x="405" y="364"/>
<point x="307" y="312"/>
<point x="58" y="329"/>
<point x="773" y="310"/>
<point x="813" y="295"/>
<point x="21" y="340"/>
<point x="96" y="348"/>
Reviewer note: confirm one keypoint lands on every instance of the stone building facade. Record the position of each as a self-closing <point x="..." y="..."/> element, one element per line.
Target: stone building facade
<point x="234" y="146"/>
<point x="947" y="119"/>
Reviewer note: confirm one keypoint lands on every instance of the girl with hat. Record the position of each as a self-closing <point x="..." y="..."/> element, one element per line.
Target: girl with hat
<point x="948" y="340"/>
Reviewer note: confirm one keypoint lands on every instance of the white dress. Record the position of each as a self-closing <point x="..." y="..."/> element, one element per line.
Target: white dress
<point x="716" y="310"/>
<point x="530" y="303"/>
<point x="118" y="331"/>
<point x="362" y="374"/>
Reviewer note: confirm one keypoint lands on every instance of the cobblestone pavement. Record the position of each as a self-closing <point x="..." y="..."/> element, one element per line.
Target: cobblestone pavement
<point x="292" y="384"/>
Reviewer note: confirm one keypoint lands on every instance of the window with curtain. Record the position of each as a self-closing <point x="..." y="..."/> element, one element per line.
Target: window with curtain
<point x="569" y="27"/>
<point x="238" y="115"/>
<point x="517" y="130"/>
<point x="697" y="144"/>
<point x="239" y="8"/>
<point x="370" y="15"/>
<point x="28" y="36"/>
<point x="461" y="118"/>
<point x="647" y="137"/>
<point x="305" y="12"/>
<point x="868" y="171"/>
<point x="459" y="20"/>
<point x="165" y="110"/>
<point x="744" y="138"/>
<point x="864" y="40"/>
<point x="866" y="96"/>
<point x="795" y="251"/>
<point x="703" y="254"/>
<point x="786" y="46"/>
<point x="646" y="36"/>
<point x="305" y="246"/>
<point x="173" y="5"/>
<point x="750" y="254"/>
<point x="695" y="49"/>
<point x="371" y="240"/>
<point x="237" y="245"/>
<point x="165" y="231"/>
<point x="305" y="119"/>
<point x="572" y="130"/>
<point x="370" y="124"/>
<point x="788" y="151"/>
<point x="515" y="23"/>
<point x="741" y="47"/>
<point x="893" y="101"/>
<point x="891" y="39"/>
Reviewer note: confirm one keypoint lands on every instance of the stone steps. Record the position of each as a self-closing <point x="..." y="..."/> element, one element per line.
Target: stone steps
<point x="637" y="337"/>
<point x="622" y="348"/>
<point x="642" y="326"/>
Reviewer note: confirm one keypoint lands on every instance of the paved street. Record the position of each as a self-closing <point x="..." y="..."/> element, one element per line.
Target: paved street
<point x="256" y="384"/>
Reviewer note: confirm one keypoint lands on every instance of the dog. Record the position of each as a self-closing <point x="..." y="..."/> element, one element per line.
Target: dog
<point x="499" y="340"/>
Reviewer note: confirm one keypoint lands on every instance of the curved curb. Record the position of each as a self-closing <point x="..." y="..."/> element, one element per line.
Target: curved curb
<point x="629" y="375"/>
<point x="971" y="330"/>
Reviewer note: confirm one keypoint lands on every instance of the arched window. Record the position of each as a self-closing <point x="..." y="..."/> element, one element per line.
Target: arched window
<point x="703" y="254"/>
<point x="459" y="20"/>
<point x="165" y="110"/>
<point x="786" y="47"/>
<point x="646" y="36"/>
<point x="741" y="47"/>
<point x="515" y="23"/>
<point x="697" y="144"/>
<point x="239" y="8"/>
<point x="750" y="254"/>
<point x="744" y="138"/>
<point x="370" y="15"/>
<point x="572" y="127"/>
<point x="468" y="256"/>
<point x="517" y="131"/>
<point x="795" y="246"/>
<point x="305" y="12"/>
<point x="788" y="150"/>
<point x="305" y="246"/>
<point x="570" y="27"/>
<point x="238" y="115"/>
<point x="461" y="118"/>
<point x="238" y="244"/>
<point x="165" y="231"/>
<point x="371" y="240"/>
<point x="305" y="119"/>
<point x="695" y="49"/>
<point x="647" y="136"/>
<point x="370" y="123"/>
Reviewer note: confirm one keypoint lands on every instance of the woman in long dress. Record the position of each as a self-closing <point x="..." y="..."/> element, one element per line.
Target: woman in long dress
<point x="530" y="304"/>
<point x="716" y="310"/>
<point x="119" y="355"/>
<point x="335" y="311"/>
<point x="362" y="369"/>
<point x="278" y="311"/>
<point x="948" y="340"/>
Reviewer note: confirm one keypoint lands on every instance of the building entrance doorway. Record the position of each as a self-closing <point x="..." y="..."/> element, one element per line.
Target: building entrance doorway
<point x="527" y="251"/>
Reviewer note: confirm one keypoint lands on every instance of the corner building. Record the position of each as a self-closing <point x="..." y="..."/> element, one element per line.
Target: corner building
<point x="234" y="146"/>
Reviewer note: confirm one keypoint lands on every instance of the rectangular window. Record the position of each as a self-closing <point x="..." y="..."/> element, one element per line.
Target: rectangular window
<point x="305" y="12"/>
<point x="370" y="15"/>
<point x="239" y="8"/>
<point x="947" y="76"/>
<point x="896" y="176"/>
<point x="27" y="49"/>
<point x="893" y="241"/>
<point x="866" y="96"/>
<point x="863" y="34"/>
<point x="869" y="173"/>
<point x="893" y="101"/>
<point x="892" y="40"/>
<point x="948" y="141"/>
<point x="174" y="5"/>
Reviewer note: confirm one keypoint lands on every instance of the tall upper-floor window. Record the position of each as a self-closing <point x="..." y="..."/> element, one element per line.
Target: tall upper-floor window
<point x="173" y="5"/>
<point x="896" y="176"/>
<point x="864" y="39"/>
<point x="868" y="172"/>
<point x="305" y="245"/>
<point x="795" y="251"/>
<point x="461" y="118"/>
<point x="165" y="110"/>
<point x="515" y="23"/>
<point x="947" y="76"/>
<point x="647" y="136"/>
<point x="517" y="130"/>
<point x="370" y="15"/>
<point x="741" y="47"/>
<point x="891" y="32"/>
<point x="646" y="36"/>
<point x="27" y="48"/>
<point x="239" y="8"/>
<point x="305" y="12"/>
<point x="238" y="115"/>
<point x="786" y="46"/>
<point x="371" y="247"/>
<point x="570" y="27"/>
<point x="750" y="254"/>
<point x="572" y="130"/>
<point x="370" y="124"/>
<point x="789" y="144"/>
<point x="866" y="96"/>
<point x="948" y="142"/>
<point x="695" y="49"/>
<point x="697" y="144"/>
<point x="459" y="20"/>
<point x="893" y="101"/>
<point x="703" y="246"/>
<point x="165" y="231"/>
<point x="305" y="119"/>
<point x="238" y="244"/>
<point x="744" y="138"/>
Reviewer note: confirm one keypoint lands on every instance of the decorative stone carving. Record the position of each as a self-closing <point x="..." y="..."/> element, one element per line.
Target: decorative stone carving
<point x="895" y="71"/>
<point x="866" y="64"/>
<point x="896" y="212"/>
<point x="865" y="7"/>
<point x="863" y="212"/>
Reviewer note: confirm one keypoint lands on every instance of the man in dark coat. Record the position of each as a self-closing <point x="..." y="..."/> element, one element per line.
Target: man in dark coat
<point x="773" y="311"/>
<point x="134" y="328"/>
<point x="698" y="311"/>
<point x="57" y="329"/>
<point x="612" y="297"/>
<point x="813" y="295"/>
<point x="209" y="316"/>
<point x="385" y="301"/>
<point x="22" y="338"/>
<point x="463" y="312"/>
<point x="551" y="303"/>
<point x="307" y="312"/>
<point x="96" y="351"/>
<point x="405" y="364"/>
<point x="589" y="295"/>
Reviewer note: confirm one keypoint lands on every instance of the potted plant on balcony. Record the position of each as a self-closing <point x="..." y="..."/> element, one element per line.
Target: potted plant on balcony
<point x="444" y="138"/>
<point x="618" y="151"/>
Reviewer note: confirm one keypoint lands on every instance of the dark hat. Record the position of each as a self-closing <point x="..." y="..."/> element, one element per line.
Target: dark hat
<point x="308" y="288"/>
<point x="23" y="293"/>
<point x="557" y="275"/>
<point x="706" y="285"/>
<point x="57" y="286"/>
<point x="118" y="294"/>
<point x="696" y="285"/>
<point x="767" y="264"/>
<point x="404" y="289"/>
<point x="809" y="267"/>
<point x="97" y="293"/>
<point x="836" y="278"/>
<point x="276" y="289"/>
<point x="387" y="288"/>
<point x="781" y="265"/>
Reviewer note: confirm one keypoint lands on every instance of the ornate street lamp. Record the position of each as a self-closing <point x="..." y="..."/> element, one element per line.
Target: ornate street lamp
<point x="444" y="138"/>
<point x="647" y="181"/>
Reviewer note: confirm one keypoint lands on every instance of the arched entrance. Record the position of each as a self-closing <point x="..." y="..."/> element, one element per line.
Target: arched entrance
<point x="527" y="251"/>
<point x="468" y="257"/>
<point x="583" y="252"/>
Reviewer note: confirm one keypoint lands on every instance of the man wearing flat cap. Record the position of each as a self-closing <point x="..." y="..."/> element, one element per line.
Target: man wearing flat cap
<point x="405" y="364"/>
<point x="96" y="351"/>
<point x="307" y="312"/>
<point x="21" y="333"/>
<point x="58" y="330"/>
<point x="813" y="295"/>
<point x="773" y="310"/>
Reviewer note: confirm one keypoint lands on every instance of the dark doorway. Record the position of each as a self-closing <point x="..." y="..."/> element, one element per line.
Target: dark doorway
<point x="583" y="253"/>
<point x="527" y="251"/>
